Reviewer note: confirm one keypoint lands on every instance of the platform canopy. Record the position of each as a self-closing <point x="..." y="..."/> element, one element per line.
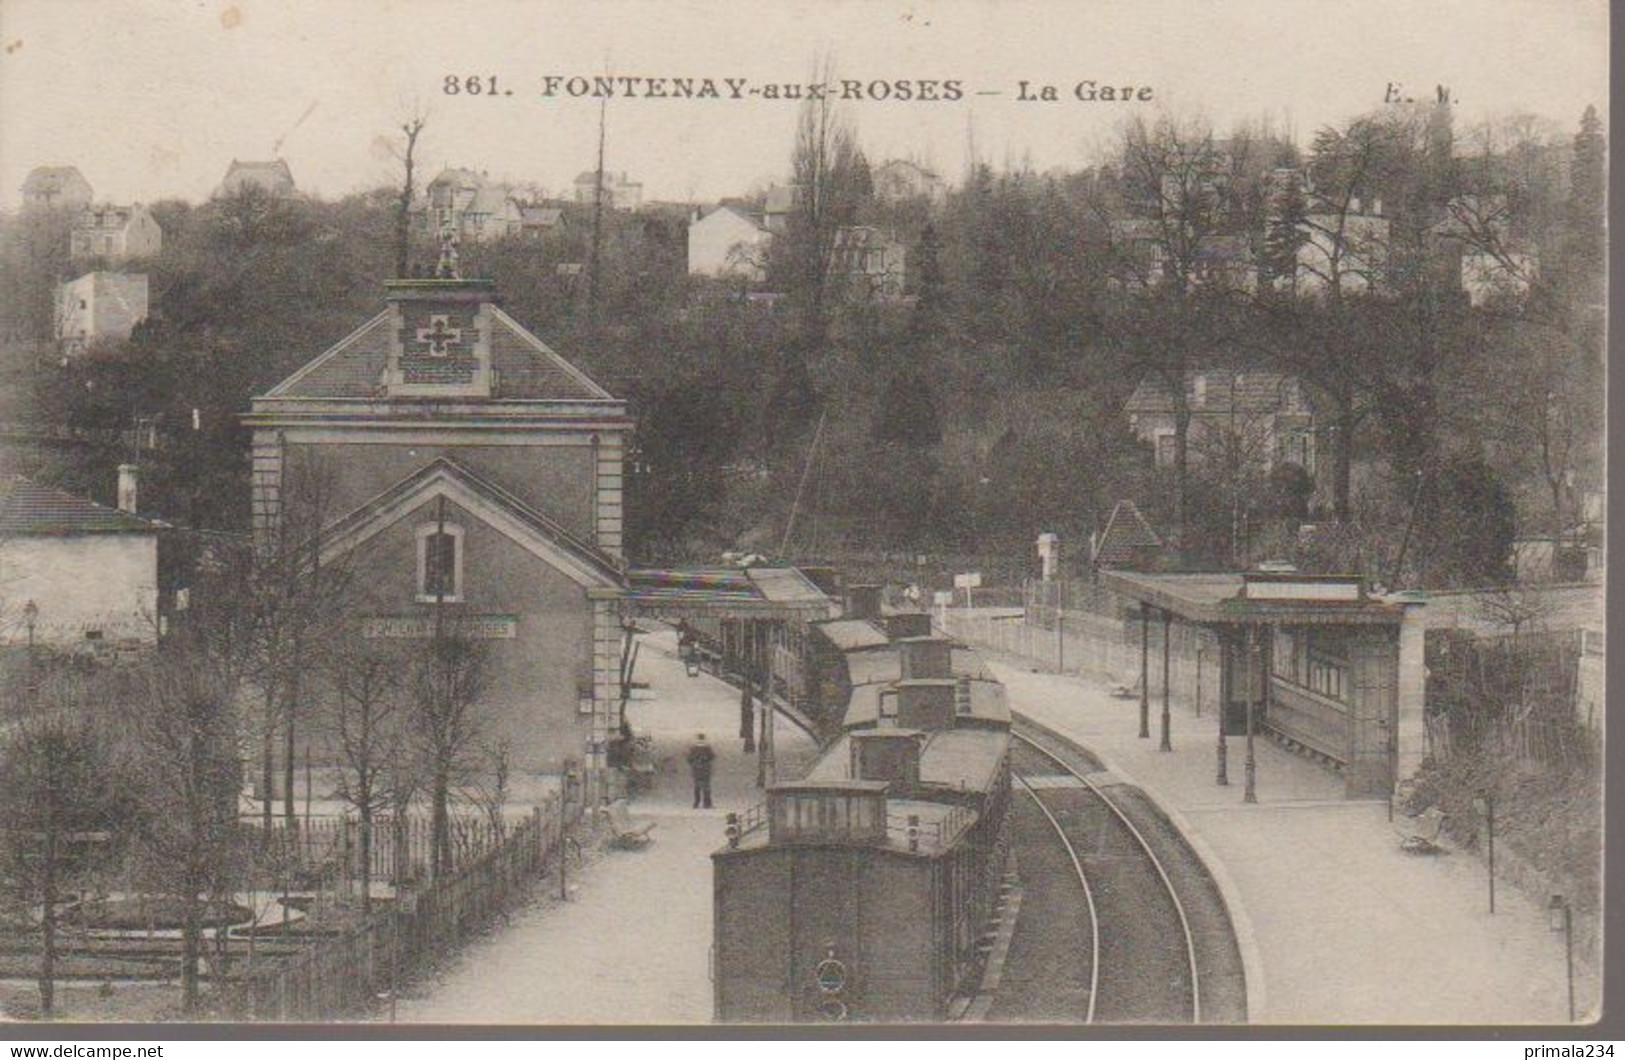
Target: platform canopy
<point x="1251" y="597"/>
<point x="782" y="593"/>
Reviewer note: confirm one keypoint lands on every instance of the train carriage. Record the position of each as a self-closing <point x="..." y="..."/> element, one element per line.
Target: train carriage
<point x="865" y="889"/>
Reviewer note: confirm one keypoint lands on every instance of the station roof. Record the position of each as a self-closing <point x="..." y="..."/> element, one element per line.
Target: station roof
<point x="753" y="592"/>
<point x="1254" y="596"/>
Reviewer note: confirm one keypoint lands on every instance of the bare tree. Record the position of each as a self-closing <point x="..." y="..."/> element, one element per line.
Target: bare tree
<point x="1176" y="181"/>
<point x="56" y="780"/>
<point x="1336" y="245"/>
<point x="448" y="683"/>
<point x="293" y="601"/>
<point x="490" y="787"/>
<point x="830" y="179"/>
<point x="366" y="723"/>
<point x="411" y="129"/>
<point x="183" y="734"/>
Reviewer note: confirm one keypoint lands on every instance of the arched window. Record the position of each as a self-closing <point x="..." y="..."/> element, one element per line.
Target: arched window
<point x="440" y="563"/>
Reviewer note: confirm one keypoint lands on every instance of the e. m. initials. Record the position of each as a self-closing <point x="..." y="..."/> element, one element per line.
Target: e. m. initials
<point x="1396" y="93"/>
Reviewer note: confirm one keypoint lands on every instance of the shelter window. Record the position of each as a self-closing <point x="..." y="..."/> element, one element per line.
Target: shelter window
<point x="440" y="563"/>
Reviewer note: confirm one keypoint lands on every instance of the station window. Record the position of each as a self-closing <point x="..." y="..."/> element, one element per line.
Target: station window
<point x="1326" y="677"/>
<point x="1284" y="655"/>
<point x="440" y="563"/>
<point x="1315" y="659"/>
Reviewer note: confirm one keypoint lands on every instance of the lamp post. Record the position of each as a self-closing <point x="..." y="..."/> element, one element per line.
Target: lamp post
<point x="30" y="617"/>
<point x="1561" y="918"/>
<point x="1255" y="654"/>
<point x="1484" y="806"/>
<point x="1167" y="721"/>
<point x="1145" y="672"/>
<point x="1201" y="653"/>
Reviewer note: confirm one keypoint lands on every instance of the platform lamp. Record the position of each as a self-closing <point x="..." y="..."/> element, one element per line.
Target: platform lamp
<point x="1560" y="917"/>
<point x="1484" y="806"/>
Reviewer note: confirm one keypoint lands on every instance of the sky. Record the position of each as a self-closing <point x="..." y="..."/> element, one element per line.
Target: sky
<point x="153" y="99"/>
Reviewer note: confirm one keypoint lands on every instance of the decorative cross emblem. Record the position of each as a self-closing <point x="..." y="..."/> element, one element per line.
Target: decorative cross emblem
<point x="439" y="335"/>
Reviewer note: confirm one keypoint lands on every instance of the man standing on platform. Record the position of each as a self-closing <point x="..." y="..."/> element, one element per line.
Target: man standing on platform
<point x="700" y="757"/>
<point x="747" y="718"/>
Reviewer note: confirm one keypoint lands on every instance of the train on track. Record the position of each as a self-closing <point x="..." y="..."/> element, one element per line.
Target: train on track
<point x="867" y="888"/>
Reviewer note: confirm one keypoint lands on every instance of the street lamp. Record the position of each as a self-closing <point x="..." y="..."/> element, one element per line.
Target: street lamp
<point x="1561" y="918"/>
<point x="1484" y="806"/>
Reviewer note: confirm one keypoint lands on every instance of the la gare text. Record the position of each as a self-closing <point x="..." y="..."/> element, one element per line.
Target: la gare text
<point x="874" y="90"/>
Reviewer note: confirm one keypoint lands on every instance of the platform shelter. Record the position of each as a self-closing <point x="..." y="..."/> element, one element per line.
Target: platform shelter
<point x="1316" y="661"/>
<point x="745" y="622"/>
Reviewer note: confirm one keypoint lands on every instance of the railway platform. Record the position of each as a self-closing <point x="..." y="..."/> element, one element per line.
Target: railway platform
<point x="632" y="943"/>
<point x="1336" y="924"/>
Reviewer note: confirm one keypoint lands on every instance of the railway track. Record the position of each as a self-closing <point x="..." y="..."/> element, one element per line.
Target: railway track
<point x="1120" y="921"/>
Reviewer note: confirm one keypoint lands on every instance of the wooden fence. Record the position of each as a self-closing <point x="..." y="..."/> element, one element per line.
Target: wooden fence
<point x="325" y="852"/>
<point x="342" y="975"/>
<point x="1081" y="628"/>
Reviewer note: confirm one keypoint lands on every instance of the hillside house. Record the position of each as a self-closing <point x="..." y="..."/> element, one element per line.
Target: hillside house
<point x="116" y="233"/>
<point x="55" y="188"/>
<point x="1140" y="247"/>
<point x="537" y="221"/>
<point x="776" y="208"/>
<point x="475" y="207"/>
<point x="728" y="241"/>
<point x="620" y="192"/>
<point x="100" y="305"/>
<point x="1263" y="418"/>
<point x="1346" y="249"/>
<point x="273" y="178"/>
<point x="900" y="180"/>
<point x="870" y="262"/>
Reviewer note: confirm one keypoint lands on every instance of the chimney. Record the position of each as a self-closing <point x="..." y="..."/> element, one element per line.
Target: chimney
<point x="127" y="483"/>
<point x="863" y="602"/>
<point x="926" y="657"/>
<point x="891" y="756"/>
<point x="926" y="704"/>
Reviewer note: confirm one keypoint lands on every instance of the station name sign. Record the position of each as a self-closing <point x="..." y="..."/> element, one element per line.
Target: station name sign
<point x="1307" y="589"/>
<point x="421" y="627"/>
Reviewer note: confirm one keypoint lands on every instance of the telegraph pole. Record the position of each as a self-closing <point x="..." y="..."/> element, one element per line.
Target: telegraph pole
<point x="597" y="215"/>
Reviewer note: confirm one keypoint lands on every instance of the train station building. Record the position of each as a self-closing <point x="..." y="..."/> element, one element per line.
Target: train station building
<point x="462" y="475"/>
